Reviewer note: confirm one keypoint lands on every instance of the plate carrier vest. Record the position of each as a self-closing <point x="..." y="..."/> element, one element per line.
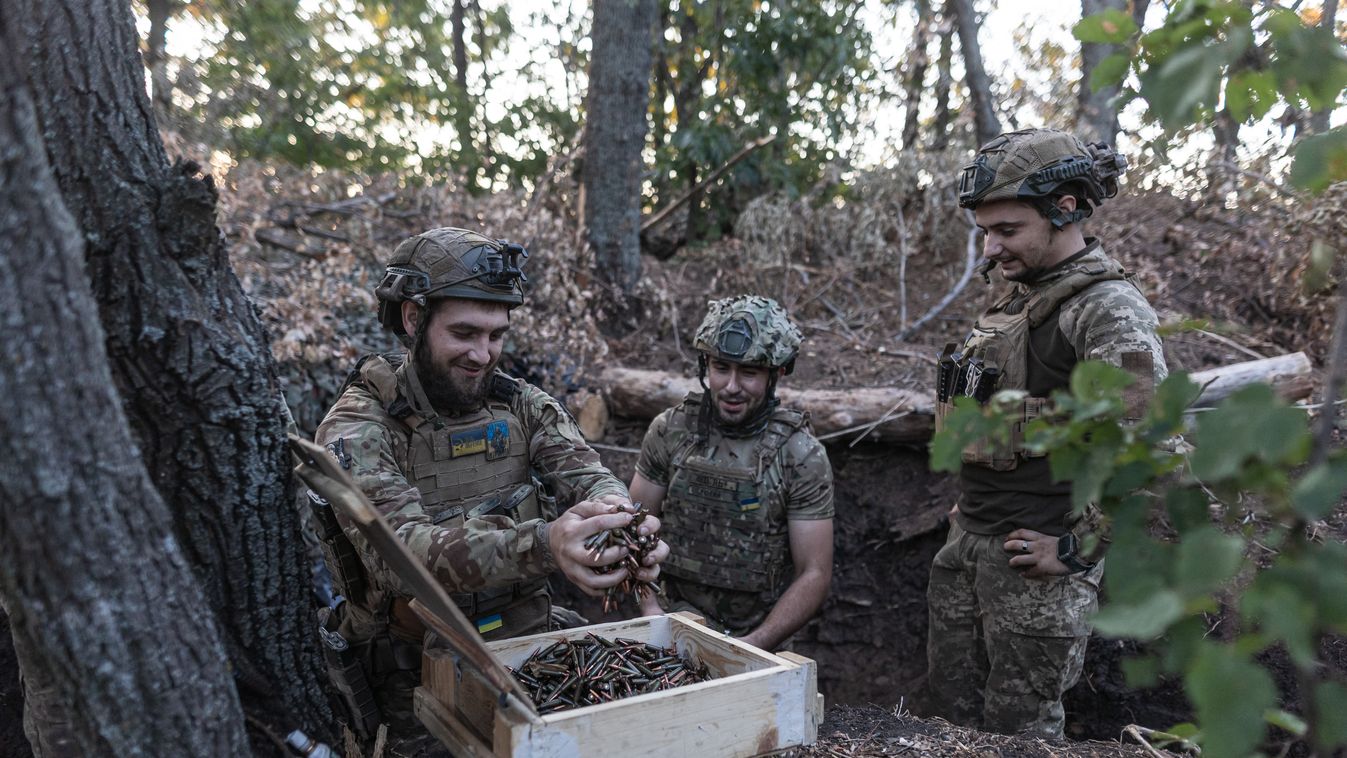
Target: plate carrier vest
<point x="1002" y="336"/>
<point x="717" y="517"/>
<point x="476" y="464"/>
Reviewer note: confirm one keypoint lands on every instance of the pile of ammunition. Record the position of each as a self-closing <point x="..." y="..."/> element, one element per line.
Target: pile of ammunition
<point x="972" y="374"/>
<point x="593" y="670"/>
<point x="638" y="547"/>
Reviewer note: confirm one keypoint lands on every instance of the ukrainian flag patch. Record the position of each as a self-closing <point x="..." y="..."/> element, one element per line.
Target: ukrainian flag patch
<point x="749" y="503"/>
<point x="489" y="624"/>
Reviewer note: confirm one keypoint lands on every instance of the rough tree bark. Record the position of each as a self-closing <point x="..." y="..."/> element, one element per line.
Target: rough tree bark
<point x="1096" y="116"/>
<point x="979" y="84"/>
<point x="918" y="62"/>
<point x="104" y="611"/>
<point x="185" y="346"/>
<point x="615" y="127"/>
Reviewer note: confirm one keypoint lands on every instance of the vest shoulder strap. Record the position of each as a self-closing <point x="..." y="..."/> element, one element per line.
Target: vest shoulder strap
<point x="1045" y="302"/>
<point x="783" y="425"/>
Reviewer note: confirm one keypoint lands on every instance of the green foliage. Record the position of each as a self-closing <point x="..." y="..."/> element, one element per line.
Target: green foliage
<point x="1247" y="57"/>
<point x="728" y="72"/>
<point x="1182" y="551"/>
<point x="357" y="83"/>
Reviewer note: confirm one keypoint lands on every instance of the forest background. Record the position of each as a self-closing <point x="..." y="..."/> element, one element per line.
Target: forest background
<point x="650" y="155"/>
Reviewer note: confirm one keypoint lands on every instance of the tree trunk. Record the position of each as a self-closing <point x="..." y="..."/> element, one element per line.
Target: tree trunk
<point x="1139" y="8"/>
<point x="944" y="81"/>
<point x="1096" y="116"/>
<point x="156" y="59"/>
<point x="107" y="619"/>
<point x="1319" y="120"/>
<point x="979" y="84"/>
<point x="460" y="46"/>
<point x="918" y="62"/>
<point x="615" y="127"/>
<point x="186" y="350"/>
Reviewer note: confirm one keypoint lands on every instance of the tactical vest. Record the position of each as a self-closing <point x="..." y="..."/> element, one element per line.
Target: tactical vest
<point x="724" y="520"/>
<point x="1001" y="336"/>
<point x="472" y="465"/>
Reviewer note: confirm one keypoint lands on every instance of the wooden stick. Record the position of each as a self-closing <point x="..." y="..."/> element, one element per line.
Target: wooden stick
<point x="664" y="212"/>
<point x="970" y="263"/>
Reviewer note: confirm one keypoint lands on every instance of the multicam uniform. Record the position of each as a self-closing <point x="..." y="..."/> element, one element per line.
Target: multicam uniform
<point x="727" y="506"/>
<point x="1003" y="649"/>
<point x="459" y="492"/>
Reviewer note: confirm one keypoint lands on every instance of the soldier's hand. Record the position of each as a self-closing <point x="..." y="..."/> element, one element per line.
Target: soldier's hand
<point x="1034" y="554"/>
<point x="566" y="537"/>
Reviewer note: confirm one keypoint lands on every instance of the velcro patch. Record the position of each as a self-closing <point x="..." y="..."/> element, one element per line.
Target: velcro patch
<point x="467" y="442"/>
<point x="489" y="624"/>
<point x="497" y="439"/>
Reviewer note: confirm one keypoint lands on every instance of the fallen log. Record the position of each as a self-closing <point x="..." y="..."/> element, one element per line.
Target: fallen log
<point x="908" y="415"/>
<point x="1290" y="376"/>
<point x="897" y="414"/>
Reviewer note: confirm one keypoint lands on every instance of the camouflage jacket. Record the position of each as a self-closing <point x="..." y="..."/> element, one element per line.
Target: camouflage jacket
<point x="1105" y="321"/>
<point x="485" y="552"/>
<point x="727" y="506"/>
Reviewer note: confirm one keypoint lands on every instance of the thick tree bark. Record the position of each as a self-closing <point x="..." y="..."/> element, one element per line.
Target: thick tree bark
<point x="979" y="84"/>
<point x="918" y="62"/>
<point x="1096" y="116"/>
<point x="186" y="349"/>
<point x="106" y="616"/>
<point x="615" y="128"/>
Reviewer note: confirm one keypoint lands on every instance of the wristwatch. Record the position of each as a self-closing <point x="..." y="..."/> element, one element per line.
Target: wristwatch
<point x="1068" y="548"/>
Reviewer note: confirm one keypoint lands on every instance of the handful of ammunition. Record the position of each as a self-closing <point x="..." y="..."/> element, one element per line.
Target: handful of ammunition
<point x="593" y="670"/>
<point x="973" y="374"/>
<point x="638" y="547"/>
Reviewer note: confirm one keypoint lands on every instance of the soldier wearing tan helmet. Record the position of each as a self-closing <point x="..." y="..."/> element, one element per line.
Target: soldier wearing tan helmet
<point x="741" y="484"/>
<point x="1012" y="590"/>
<point x="454" y="452"/>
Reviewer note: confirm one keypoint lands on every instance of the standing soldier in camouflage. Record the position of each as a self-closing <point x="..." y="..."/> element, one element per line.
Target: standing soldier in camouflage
<point x="1012" y="590"/>
<point x="452" y="453"/>
<point x="743" y="487"/>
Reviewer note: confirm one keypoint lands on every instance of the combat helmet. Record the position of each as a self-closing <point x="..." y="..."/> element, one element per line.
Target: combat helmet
<point x="1039" y="165"/>
<point x="751" y="330"/>
<point x="449" y="262"/>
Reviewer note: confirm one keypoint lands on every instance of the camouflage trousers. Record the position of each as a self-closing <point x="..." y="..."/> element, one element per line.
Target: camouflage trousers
<point x="1002" y="649"/>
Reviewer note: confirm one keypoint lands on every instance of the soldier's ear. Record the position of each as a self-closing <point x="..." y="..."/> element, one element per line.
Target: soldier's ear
<point x="411" y="317"/>
<point x="1067" y="203"/>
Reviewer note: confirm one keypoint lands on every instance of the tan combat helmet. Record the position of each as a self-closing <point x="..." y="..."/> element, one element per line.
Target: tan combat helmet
<point x="749" y="329"/>
<point x="1039" y="165"/>
<point x="448" y="262"/>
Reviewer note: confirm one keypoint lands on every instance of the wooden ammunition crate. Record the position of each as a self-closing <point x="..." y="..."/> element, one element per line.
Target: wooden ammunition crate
<point x="758" y="703"/>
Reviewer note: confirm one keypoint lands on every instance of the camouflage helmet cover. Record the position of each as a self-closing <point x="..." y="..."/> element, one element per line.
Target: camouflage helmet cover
<point x="449" y="262"/>
<point x="1036" y="163"/>
<point x="749" y="329"/>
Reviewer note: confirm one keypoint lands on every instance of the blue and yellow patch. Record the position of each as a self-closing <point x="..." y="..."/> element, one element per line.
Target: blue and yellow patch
<point x="489" y="624"/>
<point x="750" y="503"/>
<point x="467" y="442"/>
<point x="497" y="439"/>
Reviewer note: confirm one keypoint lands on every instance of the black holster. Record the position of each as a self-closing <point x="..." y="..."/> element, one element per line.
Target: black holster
<point x="345" y="670"/>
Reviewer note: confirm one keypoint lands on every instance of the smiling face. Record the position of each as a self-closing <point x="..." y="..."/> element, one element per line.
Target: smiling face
<point x="1022" y="241"/>
<point x="460" y="349"/>
<point x="737" y="390"/>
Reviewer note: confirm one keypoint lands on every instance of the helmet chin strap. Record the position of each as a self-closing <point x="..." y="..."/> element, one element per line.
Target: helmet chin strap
<point x="749" y="426"/>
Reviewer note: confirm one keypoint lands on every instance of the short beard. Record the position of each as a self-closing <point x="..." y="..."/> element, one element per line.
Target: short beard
<point x="444" y="395"/>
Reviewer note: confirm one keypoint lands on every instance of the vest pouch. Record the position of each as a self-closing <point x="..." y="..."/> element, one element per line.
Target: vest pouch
<point x="717" y="529"/>
<point x="1003" y="338"/>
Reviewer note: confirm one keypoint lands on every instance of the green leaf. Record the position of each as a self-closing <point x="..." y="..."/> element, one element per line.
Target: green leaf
<point x="1207" y="560"/>
<point x="1286" y="721"/>
<point x="1145" y="620"/>
<point x="1111" y="27"/>
<point x="1230" y="694"/>
<point x="1320" y="160"/>
<point x="1110" y="71"/>
<point x="1164" y="418"/>
<point x="1251" y="424"/>
<point x="1319" y="490"/>
<point x="1284" y="610"/>
<point x="1330" y="702"/>
<point x="1250" y="94"/>
<point x="1188" y="508"/>
<point x="1184" y="82"/>
<point x="1142" y="672"/>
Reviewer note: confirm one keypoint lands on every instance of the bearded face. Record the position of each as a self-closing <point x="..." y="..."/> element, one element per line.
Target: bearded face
<point x="458" y="350"/>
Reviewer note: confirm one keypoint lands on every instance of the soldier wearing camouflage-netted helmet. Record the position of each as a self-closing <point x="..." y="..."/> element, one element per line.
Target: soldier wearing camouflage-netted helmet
<point x="1013" y="588"/>
<point x="447" y="447"/>
<point x="743" y="487"/>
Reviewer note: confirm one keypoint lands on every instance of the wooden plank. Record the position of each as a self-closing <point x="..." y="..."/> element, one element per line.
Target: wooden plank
<point x="814" y="710"/>
<point x="450" y="731"/>
<point x="1290" y="375"/>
